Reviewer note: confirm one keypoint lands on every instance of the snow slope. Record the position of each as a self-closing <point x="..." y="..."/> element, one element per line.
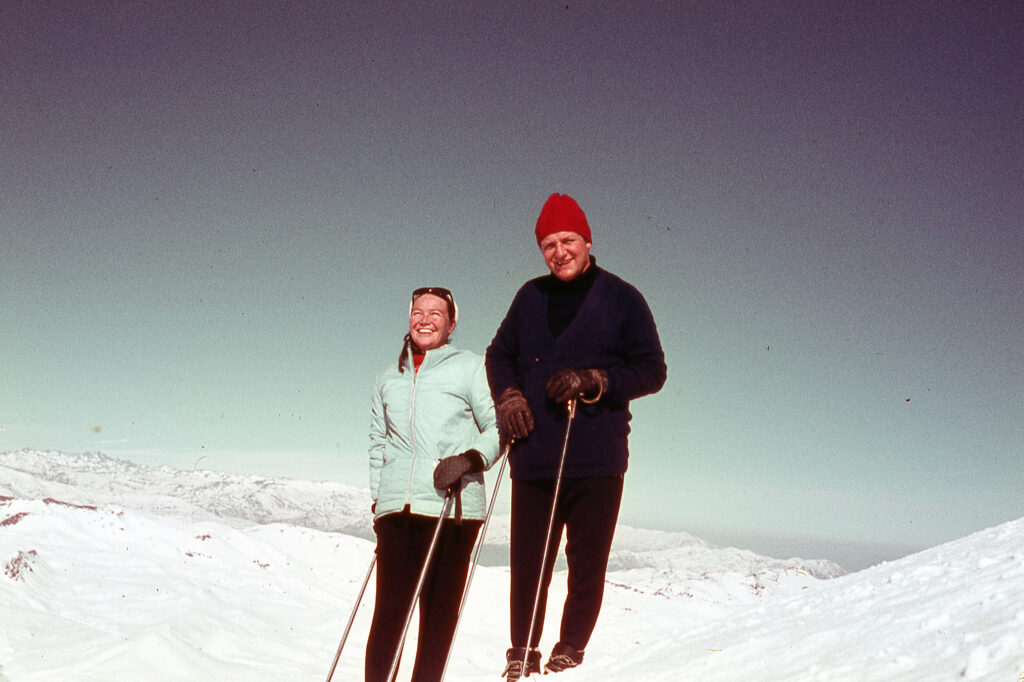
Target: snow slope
<point x="112" y="571"/>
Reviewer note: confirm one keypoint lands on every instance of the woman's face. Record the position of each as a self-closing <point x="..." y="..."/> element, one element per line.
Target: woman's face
<point x="429" y="322"/>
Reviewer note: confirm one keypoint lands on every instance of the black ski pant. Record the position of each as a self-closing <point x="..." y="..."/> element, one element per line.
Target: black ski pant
<point x="587" y="511"/>
<point x="402" y="543"/>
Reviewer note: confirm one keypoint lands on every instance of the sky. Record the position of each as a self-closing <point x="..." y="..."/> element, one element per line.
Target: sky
<point x="212" y="216"/>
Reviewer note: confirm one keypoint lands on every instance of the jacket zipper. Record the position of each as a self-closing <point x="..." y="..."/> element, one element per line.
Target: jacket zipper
<point x="412" y="430"/>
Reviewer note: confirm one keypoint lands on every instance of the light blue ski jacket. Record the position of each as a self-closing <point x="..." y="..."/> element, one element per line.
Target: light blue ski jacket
<point x="419" y="418"/>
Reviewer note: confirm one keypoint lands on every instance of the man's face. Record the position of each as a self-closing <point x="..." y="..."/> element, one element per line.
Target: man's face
<point x="566" y="254"/>
<point x="429" y="323"/>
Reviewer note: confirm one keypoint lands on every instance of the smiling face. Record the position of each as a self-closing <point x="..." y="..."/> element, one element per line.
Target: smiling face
<point x="567" y="254"/>
<point x="430" y="325"/>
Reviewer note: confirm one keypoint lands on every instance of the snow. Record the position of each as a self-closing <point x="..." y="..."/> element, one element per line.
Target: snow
<point x="114" y="571"/>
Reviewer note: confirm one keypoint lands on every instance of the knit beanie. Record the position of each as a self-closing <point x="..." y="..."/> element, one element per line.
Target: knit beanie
<point x="561" y="213"/>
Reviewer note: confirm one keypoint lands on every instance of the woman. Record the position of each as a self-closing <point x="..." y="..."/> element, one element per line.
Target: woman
<point x="432" y="428"/>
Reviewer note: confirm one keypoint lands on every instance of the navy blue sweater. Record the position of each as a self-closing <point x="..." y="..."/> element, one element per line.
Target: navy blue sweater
<point x="612" y="330"/>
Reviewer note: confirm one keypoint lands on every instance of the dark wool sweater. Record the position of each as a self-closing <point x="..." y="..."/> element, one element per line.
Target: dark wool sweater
<point x="612" y="330"/>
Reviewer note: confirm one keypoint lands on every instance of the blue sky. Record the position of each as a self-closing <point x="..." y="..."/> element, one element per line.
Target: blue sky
<point x="212" y="215"/>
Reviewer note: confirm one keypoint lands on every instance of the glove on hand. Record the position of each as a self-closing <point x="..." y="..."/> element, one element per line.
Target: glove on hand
<point x="566" y="384"/>
<point x="514" y="414"/>
<point x="450" y="470"/>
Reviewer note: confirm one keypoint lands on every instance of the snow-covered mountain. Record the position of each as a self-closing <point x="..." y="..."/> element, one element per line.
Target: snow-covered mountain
<point x="116" y="571"/>
<point x="95" y="478"/>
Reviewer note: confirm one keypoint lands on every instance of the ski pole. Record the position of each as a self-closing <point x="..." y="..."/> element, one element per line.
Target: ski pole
<point x="547" y="540"/>
<point x="352" y="618"/>
<point x="448" y="499"/>
<point x="476" y="553"/>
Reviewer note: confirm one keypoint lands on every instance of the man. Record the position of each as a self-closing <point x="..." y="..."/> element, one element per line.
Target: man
<point x="580" y="333"/>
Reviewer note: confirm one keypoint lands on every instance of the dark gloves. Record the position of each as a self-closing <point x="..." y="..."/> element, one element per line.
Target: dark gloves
<point x="514" y="416"/>
<point x="586" y="384"/>
<point x="450" y="470"/>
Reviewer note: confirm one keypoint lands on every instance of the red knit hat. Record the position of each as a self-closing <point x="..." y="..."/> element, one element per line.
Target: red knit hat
<point x="561" y="213"/>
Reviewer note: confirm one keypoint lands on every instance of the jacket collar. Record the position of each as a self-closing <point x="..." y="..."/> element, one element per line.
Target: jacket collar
<point x="431" y="357"/>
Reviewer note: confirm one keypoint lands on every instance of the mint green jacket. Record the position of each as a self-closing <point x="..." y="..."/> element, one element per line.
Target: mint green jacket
<point x="419" y="418"/>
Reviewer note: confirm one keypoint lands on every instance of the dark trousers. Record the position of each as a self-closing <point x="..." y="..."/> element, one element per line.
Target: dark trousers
<point x="402" y="544"/>
<point x="587" y="510"/>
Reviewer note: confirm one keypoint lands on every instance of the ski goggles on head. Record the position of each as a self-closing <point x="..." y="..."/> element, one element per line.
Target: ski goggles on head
<point x="440" y="292"/>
